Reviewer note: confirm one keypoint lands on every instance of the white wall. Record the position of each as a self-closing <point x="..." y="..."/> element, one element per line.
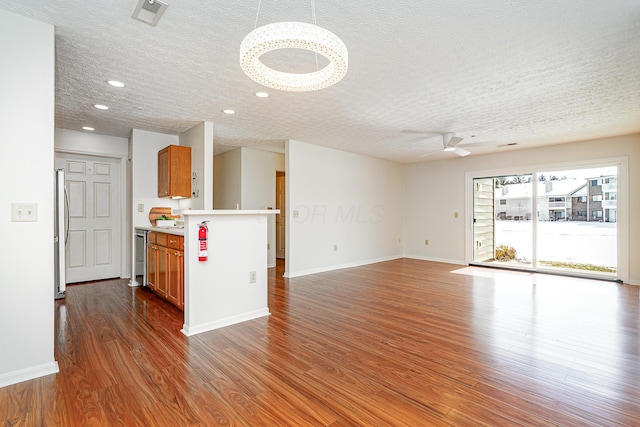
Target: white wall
<point x="74" y="141"/>
<point x="227" y="190"/>
<point x="258" y="188"/>
<point x="144" y="180"/>
<point x="200" y="139"/>
<point x="435" y="190"/>
<point x="26" y="169"/>
<point x="344" y="199"/>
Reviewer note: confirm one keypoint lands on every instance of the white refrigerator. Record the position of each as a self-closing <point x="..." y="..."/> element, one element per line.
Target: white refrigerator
<point x="60" y="234"/>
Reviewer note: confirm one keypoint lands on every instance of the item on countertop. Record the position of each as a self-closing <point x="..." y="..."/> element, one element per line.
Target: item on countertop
<point x="154" y="213"/>
<point x="165" y="221"/>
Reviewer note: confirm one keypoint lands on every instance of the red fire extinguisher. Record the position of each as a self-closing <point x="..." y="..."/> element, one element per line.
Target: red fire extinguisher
<point x="202" y="240"/>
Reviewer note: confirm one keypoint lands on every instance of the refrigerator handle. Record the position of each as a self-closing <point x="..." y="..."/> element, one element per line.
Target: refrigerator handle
<point x="66" y="215"/>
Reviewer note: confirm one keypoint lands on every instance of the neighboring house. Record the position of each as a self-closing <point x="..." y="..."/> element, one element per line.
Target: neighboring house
<point x="592" y="199"/>
<point x="554" y="200"/>
<point x="580" y="205"/>
<point x="602" y="199"/>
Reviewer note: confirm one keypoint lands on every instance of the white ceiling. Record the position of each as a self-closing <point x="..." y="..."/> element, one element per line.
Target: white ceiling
<point x="508" y="71"/>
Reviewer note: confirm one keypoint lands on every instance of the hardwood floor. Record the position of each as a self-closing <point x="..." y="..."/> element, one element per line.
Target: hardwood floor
<point x="403" y="342"/>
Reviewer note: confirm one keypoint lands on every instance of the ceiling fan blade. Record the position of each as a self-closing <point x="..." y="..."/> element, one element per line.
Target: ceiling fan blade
<point x="420" y="132"/>
<point x="461" y="152"/>
<point x="478" y="144"/>
<point x="431" y="152"/>
<point x="454" y="141"/>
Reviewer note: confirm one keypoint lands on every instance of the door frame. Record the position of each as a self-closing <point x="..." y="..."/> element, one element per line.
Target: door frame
<point x="283" y="212"/>
<point x="622" y="164"/>
<point x="126" y="237"/>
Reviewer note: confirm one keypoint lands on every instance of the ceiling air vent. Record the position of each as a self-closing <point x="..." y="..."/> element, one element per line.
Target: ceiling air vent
<point x="149" y="11"/>
<point x="511" y="144"/>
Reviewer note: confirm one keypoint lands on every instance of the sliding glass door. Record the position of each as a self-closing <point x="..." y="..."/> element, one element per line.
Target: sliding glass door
<point x="578" y="232"/>
<point x="563" y="221"/>
<point x="503" y="226"/>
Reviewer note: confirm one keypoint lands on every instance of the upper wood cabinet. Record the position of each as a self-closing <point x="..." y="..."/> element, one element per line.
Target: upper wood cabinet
<point x="174" y="172"/>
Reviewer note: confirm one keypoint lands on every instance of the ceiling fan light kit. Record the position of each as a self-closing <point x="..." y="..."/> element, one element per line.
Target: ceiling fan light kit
<point x="293" y="35"/>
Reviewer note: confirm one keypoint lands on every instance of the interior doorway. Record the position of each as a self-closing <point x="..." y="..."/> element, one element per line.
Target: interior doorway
<point x="93" y="188"/>
<point x="281" y="218"/>
<point x="562" y="221"/>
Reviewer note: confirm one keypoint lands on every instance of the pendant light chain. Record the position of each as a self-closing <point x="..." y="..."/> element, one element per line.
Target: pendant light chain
<point x="313" y="21"/>
<point x="313" y="12"/>
<point x="257" y="14"/>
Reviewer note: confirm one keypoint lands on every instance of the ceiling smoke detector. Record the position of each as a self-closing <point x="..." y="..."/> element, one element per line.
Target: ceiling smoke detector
<point x="149" y="11"/>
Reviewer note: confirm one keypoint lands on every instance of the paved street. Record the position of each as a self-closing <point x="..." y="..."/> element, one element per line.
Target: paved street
<point x="581" y="242"/>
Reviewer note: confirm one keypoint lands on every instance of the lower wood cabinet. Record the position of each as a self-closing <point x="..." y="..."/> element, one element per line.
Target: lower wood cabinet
<point x="165" y="266"/>
<point x="175" y="270"/>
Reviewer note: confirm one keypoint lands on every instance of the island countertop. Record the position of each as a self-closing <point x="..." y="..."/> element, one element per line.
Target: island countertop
<point x="178" y="231"/>
<point x="187" y="212"/>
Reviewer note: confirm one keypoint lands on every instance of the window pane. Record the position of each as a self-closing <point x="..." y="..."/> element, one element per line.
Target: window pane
<point x="581" y="235"/>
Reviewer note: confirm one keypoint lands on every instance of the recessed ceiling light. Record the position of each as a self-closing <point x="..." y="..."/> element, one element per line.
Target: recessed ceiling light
<point x="228" y="111"/>
<point x="87" y="128"/>
<point x="101" y="107"/>
<point x="116" y="83"/>
<point x="262" y="94"/>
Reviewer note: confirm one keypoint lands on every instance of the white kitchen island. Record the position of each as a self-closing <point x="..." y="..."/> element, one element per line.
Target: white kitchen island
<point x="219" y="292"/>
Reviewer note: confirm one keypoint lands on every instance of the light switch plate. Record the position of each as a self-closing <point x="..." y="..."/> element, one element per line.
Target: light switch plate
<point x="24" y="212"/>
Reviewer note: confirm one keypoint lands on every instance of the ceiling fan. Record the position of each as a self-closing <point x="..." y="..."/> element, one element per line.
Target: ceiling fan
<point x="452" y="143"/>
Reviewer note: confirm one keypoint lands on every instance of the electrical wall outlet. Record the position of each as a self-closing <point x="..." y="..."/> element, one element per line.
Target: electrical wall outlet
<point x="335" y="248"/>
<point x="296" y="213"/>
<point x="140" y="207"/>
<point x="455" y="214"/>
<point x="252" y="277"/>
<point x="24" y="212"/>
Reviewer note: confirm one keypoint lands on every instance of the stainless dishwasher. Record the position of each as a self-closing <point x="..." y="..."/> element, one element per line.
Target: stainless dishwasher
<point x="140" y="269"/>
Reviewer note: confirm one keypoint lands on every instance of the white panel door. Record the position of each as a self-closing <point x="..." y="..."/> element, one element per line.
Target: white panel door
<point x="93" y="191"/>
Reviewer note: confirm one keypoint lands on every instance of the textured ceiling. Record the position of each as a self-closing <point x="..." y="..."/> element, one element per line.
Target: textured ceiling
<point x="531" y="73"/>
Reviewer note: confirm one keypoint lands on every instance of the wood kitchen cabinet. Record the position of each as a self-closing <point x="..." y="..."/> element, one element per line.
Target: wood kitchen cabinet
<point x="175" y="270"/>
<point x="165" y="266"/>
<point x="174" y="172"/>
<point x="152" y="261"/>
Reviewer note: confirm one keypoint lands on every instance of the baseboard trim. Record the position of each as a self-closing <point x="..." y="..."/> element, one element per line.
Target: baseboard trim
<point x="339" y="267"/>
<point x="28" y="374"/>
<point x="221" y="323"/>
<point x="446" y="261"/>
